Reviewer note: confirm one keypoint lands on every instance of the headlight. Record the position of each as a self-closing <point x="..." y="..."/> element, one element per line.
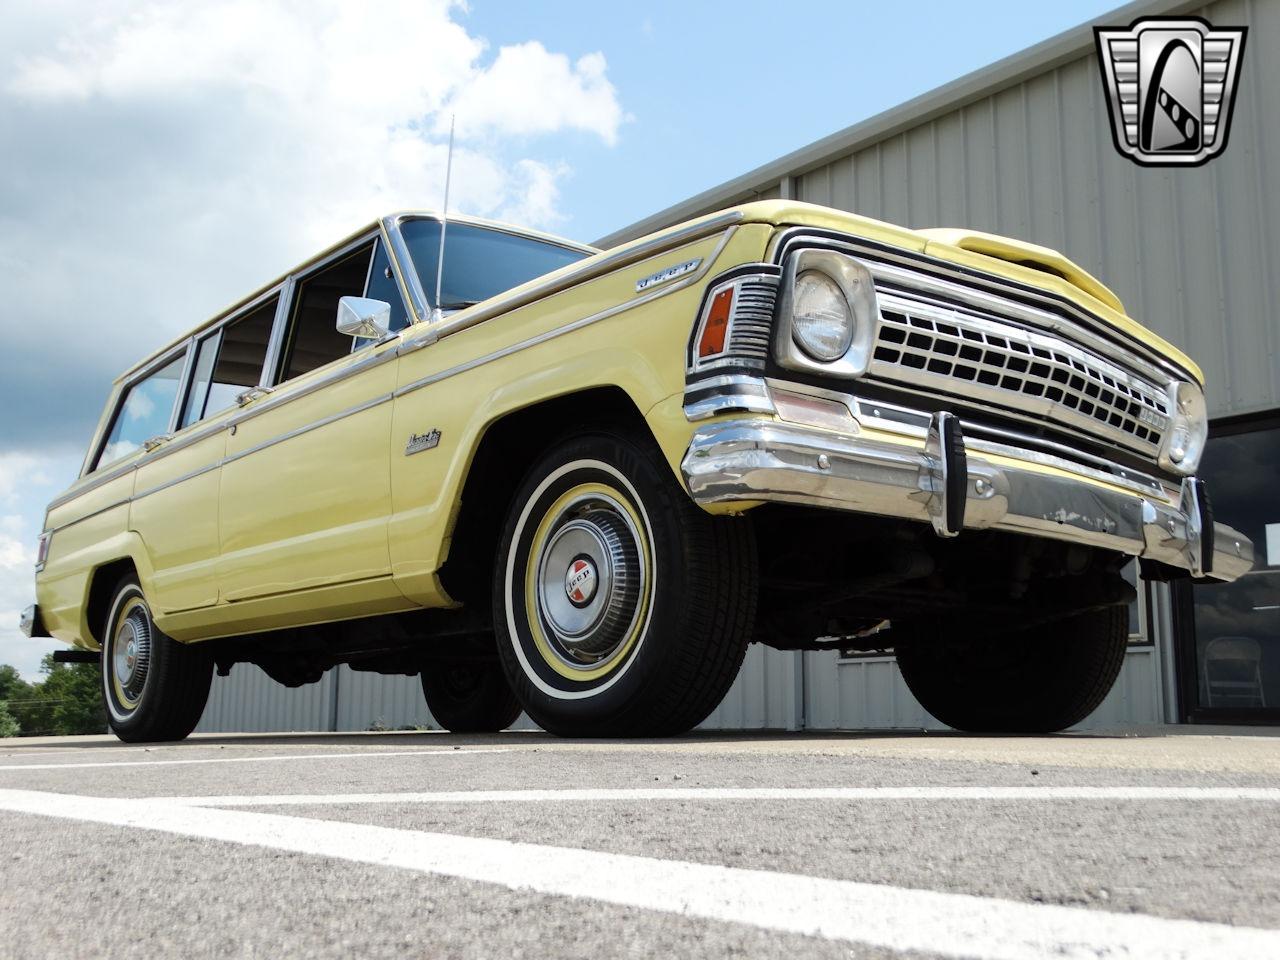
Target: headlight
<point x="827" y="314"/>
<point x="822" y="323"/>
<point x="1188" y="431"/>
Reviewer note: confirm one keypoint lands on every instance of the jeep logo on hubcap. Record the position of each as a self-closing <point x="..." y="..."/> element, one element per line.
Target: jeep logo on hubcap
<point x="580" y="581"/>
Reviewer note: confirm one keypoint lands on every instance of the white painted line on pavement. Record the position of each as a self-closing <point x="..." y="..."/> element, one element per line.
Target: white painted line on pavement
<point x="895" y="918"/>
<point x="262" y="759"/>
<point x="1259" y="794"/>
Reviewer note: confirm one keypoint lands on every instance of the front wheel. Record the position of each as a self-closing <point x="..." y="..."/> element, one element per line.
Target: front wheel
<point x="1035" y="680"/>
<point x="620" y="607"/>
<point x="155" y="688"/>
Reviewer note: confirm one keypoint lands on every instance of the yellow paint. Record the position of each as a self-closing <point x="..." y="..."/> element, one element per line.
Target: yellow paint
<point x="181" y="542"/>
<point x="306" y="521"/>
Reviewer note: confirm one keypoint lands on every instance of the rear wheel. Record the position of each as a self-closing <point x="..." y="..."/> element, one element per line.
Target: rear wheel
<point x="470" y="697"/>
<point x="620" y="607"/>
<point x="154" y="687"/>
<point x="1036" y="680"/>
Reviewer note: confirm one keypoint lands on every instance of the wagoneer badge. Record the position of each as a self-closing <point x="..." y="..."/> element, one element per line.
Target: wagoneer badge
<point x="670" y="273"/>
<point x="422" y="441"/>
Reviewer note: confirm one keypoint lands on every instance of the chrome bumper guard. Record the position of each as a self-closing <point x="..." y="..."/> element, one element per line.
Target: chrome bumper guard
<point x="752" y="460"/>
<point x="30" y="624"/>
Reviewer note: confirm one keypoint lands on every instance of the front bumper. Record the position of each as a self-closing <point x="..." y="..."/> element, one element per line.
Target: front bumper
<point x="753" y="460"/>
<point x="30" y="622"/>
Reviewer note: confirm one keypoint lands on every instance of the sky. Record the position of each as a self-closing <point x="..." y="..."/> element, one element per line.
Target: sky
<point x="160" y="160"/>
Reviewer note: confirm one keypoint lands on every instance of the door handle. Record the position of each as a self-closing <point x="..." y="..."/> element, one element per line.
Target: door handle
<point x="252" y="394"/>
<point x="154" y="442"/>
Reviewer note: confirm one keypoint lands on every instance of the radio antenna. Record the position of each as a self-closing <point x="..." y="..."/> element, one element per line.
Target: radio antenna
<point x="444" y="221"/>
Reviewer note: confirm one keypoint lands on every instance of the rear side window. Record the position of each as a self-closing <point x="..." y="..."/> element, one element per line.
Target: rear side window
<point x="228" y="362"/>
<point x="146" y="412"/>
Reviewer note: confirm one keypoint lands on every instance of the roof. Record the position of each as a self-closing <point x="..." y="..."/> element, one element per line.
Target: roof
<point x="1065" y="47"/>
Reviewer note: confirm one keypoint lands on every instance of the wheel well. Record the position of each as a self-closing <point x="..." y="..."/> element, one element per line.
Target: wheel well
<point x="103" y="583"/>
<point x="506" y="451"/>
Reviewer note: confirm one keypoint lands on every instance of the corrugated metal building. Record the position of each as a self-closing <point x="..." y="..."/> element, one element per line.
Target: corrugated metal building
<point x="1024" y="148"/>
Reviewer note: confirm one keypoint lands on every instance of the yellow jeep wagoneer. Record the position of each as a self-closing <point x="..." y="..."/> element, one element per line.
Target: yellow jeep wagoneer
<point x="581" y="482"/>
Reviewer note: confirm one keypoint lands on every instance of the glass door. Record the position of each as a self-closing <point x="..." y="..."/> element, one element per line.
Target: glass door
<point x="1229" y="634"/>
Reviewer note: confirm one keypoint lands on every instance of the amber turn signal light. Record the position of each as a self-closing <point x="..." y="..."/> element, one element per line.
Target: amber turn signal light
<point x="717" y="326"/>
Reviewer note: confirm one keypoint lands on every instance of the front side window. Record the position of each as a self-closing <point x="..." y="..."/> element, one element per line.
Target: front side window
<point x="312" y="339"/>
<point x="146" y="412"/>
<point x="228" y="362"/>
<point x="479" y="263"/>
<point x="383" y="286"/>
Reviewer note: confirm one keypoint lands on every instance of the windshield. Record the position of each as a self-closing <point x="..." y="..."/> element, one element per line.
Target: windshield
<point x="479" y="263"/>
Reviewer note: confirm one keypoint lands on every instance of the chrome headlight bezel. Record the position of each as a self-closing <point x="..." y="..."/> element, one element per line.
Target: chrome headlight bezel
<point x="856" y="285"/>
<point x="1188" y="431"/>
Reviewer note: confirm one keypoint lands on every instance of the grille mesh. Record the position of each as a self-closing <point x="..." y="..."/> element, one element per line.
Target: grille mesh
<point x="988" y="358"/>
<point x="752" y="325"/>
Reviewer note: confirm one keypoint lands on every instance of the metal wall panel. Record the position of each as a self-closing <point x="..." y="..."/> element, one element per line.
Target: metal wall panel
<point x="248" y="701"/>
<point x="1189" y="251"/>
<point x="765" y="695"/>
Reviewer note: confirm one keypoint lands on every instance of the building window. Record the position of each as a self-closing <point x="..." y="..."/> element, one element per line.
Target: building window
<point x="1230" y="633"/>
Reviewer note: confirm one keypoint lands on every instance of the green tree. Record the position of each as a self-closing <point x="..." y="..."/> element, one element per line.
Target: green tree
<point x="23" y="702"/>
<point x="73" y="693"/>
<point x="12" y="686"/>
<point x="8" y="725"/>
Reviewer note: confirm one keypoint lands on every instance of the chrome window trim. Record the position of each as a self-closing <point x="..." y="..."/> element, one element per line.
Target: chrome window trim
<point x="184" y="383"/>
<point x="406" y="275"/>
<point x="276" y="337"/>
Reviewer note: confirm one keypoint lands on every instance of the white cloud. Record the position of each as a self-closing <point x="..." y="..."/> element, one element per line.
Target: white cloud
<point x="175" y="156"/>
<point x="509" y="96"/>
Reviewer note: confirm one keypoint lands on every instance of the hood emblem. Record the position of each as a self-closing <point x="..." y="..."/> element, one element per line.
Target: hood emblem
<point x="669" y="273"/>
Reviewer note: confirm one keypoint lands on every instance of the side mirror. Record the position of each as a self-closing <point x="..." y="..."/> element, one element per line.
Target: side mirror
<point x="364" y="318"/>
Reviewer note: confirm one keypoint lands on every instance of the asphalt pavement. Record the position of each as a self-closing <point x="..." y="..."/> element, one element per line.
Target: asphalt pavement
<point x="1164" y="843"/>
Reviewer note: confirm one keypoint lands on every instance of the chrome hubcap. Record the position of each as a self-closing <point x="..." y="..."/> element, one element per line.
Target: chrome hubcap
<point x="131" y="656"/>
<point x="589" y="580"/>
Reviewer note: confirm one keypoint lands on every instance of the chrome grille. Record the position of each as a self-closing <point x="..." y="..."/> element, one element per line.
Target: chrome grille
<point x="751" y="326"/>
<point x="941" y="348"/>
